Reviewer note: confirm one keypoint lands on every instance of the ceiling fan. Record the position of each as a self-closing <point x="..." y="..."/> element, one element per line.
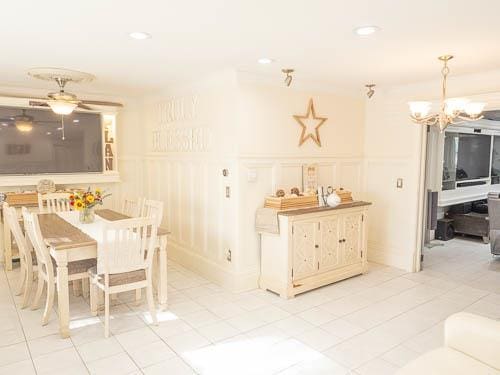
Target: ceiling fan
<point x="23" y="122"/>
<point x="62" y="102"/>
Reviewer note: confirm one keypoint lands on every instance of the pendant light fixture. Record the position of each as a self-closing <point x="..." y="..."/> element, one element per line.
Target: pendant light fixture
<point x="452" y="110"/>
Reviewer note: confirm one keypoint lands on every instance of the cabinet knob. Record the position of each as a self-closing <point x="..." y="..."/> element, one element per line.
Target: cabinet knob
<point x="316" y="246"/>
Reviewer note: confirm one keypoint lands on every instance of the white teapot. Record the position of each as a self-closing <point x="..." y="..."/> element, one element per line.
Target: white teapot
<point x="333" y="199"/>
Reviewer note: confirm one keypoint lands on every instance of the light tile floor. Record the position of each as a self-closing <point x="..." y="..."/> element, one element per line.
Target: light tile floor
<point x="371" y="324"/>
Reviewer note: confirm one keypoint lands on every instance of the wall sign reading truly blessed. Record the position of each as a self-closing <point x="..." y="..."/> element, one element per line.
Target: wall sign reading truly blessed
<point x="180" y="109"/>
<point x="170" y="138"/>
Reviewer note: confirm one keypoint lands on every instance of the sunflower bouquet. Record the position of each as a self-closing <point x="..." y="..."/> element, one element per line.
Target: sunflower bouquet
<point x="85" y="201"/>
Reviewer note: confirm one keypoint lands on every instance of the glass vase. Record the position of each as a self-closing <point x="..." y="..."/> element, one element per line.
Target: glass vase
<point x="87" y="215"/>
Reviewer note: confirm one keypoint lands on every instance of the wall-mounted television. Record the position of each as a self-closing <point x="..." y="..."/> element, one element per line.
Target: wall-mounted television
<point x="31" y="142"/>
<point x="467" y="157"/>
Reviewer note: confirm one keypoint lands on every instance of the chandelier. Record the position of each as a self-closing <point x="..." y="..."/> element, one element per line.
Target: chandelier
<point x="452" y="110"/>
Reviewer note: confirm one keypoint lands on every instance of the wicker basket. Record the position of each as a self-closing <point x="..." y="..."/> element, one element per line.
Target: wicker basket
<point x="289" y="203"/>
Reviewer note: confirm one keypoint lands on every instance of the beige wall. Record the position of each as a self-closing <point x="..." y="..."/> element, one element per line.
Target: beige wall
<point x="251" y="128"/>
<point x="393" y="150"/>
<point x="268" y="147"/>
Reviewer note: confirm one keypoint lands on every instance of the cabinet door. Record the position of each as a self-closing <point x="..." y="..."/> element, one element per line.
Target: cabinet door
<point x="353" y="237"/>
<point x="304" y="249"/>
<point x="329" y="249"/>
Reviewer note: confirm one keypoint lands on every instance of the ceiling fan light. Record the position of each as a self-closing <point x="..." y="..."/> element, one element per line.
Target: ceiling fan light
<point x="24" y="126"/>
<point x="61" y="107"/>
<point x="419" y="109"/>
<point x="454" y="106"/>
<point x="474" y="109"/>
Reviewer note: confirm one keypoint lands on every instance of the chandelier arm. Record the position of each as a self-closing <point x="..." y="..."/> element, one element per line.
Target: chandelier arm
<point x="427" y="120"/>
<point x="470" y="118"/>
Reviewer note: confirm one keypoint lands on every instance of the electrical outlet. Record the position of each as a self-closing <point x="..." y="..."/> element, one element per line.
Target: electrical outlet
<point x="228" y="192"/>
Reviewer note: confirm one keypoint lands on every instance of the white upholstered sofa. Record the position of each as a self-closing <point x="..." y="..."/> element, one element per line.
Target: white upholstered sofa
<point x="471" y="347"/>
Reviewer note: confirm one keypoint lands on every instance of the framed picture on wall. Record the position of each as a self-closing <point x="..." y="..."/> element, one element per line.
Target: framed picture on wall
<point x="310" y="178"/>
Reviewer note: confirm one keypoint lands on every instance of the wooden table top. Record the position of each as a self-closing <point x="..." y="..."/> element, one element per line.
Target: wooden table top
<point x="61" y="235"/>
<point x="111" y="215"/>
<point x="303" y="211"/>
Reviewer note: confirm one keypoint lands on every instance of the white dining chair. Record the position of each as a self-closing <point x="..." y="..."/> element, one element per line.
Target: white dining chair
<point x="154" y="210"/>
<point x="77" y="270"/>
<point x="27" y="260"/>
<point x="124" y="263"/>
<point x="53" y="202"/>
<point x="132" y="207"/>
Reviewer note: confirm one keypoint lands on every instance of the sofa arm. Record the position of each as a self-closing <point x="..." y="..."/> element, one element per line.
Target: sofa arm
<point x="474" y="335"/>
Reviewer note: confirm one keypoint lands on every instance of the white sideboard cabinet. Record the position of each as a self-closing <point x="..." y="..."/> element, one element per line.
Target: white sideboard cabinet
<point x="314" y="247"/>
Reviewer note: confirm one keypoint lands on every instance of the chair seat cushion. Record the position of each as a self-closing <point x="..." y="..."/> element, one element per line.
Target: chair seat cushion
<point x="120" y="278"/>
<point x="446" y="361"/>
<point x="79" y="266"/>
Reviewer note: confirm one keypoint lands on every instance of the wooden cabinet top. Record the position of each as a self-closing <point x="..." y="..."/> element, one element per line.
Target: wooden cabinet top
<point x="312" y="210"/>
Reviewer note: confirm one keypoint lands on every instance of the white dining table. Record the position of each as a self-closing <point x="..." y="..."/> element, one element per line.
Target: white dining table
<point x="69" y="240"/>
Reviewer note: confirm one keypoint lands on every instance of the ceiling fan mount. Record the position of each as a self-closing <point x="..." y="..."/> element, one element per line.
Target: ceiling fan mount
<point x="62" y="102"/>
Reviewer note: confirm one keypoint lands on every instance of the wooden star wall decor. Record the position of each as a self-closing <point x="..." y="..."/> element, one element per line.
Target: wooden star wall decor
<point x="319" y="122"/>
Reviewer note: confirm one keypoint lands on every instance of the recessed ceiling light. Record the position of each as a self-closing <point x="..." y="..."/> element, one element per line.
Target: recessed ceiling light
<point x="366" y="30"/>
<point x="49" y="133"/>
<point x="139" y="35"/>
<point x="60" y="128"/>
<point x="4" y="124"/>
<point x="265" y="60"/>
<point x="76" y="121"/>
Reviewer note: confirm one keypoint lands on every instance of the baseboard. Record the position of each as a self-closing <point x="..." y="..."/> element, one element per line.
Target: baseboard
<point x="228" y="279"/>
<point x="384" y="254"/>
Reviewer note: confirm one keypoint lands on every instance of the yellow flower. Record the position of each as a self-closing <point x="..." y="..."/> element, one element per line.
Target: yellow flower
<point x="90" y="198"/>
<point x="79" y="205"/>
<point x="97" y="191"/>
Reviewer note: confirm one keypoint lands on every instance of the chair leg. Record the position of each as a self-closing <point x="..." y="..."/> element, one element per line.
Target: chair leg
<point x="27" y="288"/>
<point x="22" y="278"/>
<point x="138" y="296"/>
<point x="49" y="303"/>
<point x="93" y="299"/>
<point x="39" y="290"/>
<point x="151" y="302"/>
<point x="106" y="314"/>
<point x="77" y="288"/>
<point x="85" y="287"/>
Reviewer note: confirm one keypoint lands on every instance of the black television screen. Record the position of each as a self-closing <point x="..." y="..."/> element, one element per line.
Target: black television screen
<point x="473" y="156"/>
<point x="31" y="142"/>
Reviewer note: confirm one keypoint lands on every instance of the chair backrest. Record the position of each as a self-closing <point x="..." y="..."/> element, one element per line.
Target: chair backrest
<point x="124" y="245"/>
<point x="53" y="202"/>
<point x="10" y="215"/>
<point x="153" y="209"/>
<point x="132" y="207"/>
<point x="32" y="228"/>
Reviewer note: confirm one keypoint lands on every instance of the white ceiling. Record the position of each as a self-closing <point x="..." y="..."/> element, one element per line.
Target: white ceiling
<point x="192" y="38"/>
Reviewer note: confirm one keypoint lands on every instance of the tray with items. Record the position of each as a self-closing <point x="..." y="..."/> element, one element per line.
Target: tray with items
<point x="294" y="200"/>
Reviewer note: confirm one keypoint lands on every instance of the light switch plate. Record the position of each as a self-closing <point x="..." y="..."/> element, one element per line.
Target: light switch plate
<point x="399" y="183"/>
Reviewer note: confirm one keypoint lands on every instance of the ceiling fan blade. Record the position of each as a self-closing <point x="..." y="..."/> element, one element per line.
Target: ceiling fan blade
<point x="83" y="106"/>
<point x="22" y="96"/>
<point x="34" y="103"/>
<point x="97" y="102"/>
